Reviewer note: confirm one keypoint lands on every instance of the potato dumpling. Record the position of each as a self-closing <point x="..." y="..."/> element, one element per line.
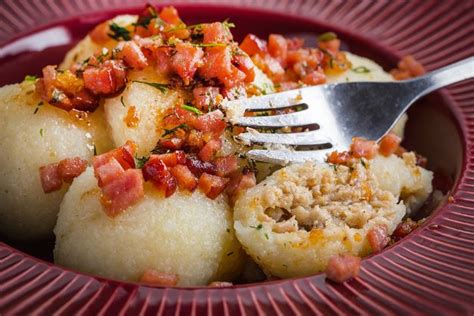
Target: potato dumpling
<point x="403" y="178"/>
<point x="186" y="234"/>
<point x="296" y="219"/>
<point x="33" y="135"/>
<point x="136" y="114"/>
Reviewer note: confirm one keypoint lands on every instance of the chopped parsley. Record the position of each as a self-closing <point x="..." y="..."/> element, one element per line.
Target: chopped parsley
<point x="174" y="129"/>
<point x="119" y="32"/>
<point x="41" y="132"/>
<point x="266" y="236"/>
<point x="30" y="78"/>
<point x="209" y="44"/>
<point x="362" y="161"/>
<point x="121" y="101"/>
<point x="258" y="227"/>
<point x="95" y="150"/>
<point x="230" y="253"/>
<point x="361" y="70"/>
<point x="160" y="86"/>
<point x="144" y="21"/>
<point x="191" y="108"/>
<point x="328" y="36"/>
<point x="141" y="161"/>
<point x="37" y="107"/>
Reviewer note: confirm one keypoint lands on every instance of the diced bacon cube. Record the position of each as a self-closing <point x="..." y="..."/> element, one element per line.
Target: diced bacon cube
<point x="295" y="43"/>
<point x="156" y="171"/>
<point x="198" y="167"/>
<point x="50" y="178"/>
<point x="105" y="79"/>
<point x="108" y="172"/>
<point x="124" y="155"/>
<point x="122" y="192"/>
<point x="245" y="64"/>
<point x="154" y="277"/>
<point x="389" y="144"/>
<point x="186" y="61"/>
<point x="226" y="165"/>
<point x="99" y="34"/>
<point x="339" y="158"/>
<point x="211" y="122"/>
<point x="314" y="78"/>
<point x="171" y="143"/>
<point x="253" y="45"/>
<point x="342" y="268"/>
<point x="216" y="33"/>
<point x="71" y="168"/>
<point x="218" y="65"/>
<point x="278" y="48"/>
<point x="209" y="150"/>
<point x="171" y="159"/>
<point x="410" y="64"/>
<point x="211" y="185"/>
<point x="170" y="15"/>
<point x="162" y="57"/>
<point x="404" y="228"/>
<point x="184" y="176"/>
<point x="362" y="148"/>
<point x="378" y="238"/>
<point x="239" y="183"/>
<point x="133" y="56"/>
<point x="205" y="97"/>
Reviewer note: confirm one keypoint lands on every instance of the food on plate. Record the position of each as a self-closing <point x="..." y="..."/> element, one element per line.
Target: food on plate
<point x="36" y="134"/>
<point x="130" y="134"/>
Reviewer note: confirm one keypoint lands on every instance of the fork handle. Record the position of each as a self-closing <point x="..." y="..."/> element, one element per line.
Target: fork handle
<point x="443" y="77"/>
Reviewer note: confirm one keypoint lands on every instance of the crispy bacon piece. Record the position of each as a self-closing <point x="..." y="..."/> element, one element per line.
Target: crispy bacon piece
<point x="154" y="277"/>
<point x="99" y="34"/>
<point x="162" y="57"/>
<point x="378" y="238"/>
<point x="278" y="48"/>
<point x="389" y="144"/>
<point x="209" y="150"/>
<point x="240" y="182"/>
<point x="212" y="185"/>
<point x="331" y="45"/>
<point x="132" y="55"/>
<point x="156" y="171"/>
<point x="270" y="66"/>
<point x="216" y="33"/>
<point x="108" y="171"/>
<point x="362" y="148"/>
<point x="245" y="64"/>
<point x="342" y="268"/>
<point x="124" y="156"/>
<point x="50" y="178"/>
<point x="253" y="45"/>
<point x="71" y="168"/>
<point x="105" y="79"/>
<point x="184" y="176"/>
<point x="170" y="15"/>
<point x="218" y="65"/>
<point x="226" y="165"/>
<point x="174" y="143"/>
<point x="211" y="122"/>
<point x="122" y="192"/>
<point x="198" y="167"/>
<point x="206" y="97"/>
<point x="294" y="43"/>
<point x="404" y="228"/>
<point x="339" y="158"/>
<point x="186" y="60"/>
<point x="172" y="159"/>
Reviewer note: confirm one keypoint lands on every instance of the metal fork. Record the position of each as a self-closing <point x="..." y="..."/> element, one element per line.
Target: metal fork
<point x="331" y="115"/>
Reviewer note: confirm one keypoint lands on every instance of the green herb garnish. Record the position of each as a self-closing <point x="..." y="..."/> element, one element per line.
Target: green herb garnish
<point x="121" y="101"/>
<point x="362" y="161"/>
<point x="41" y="132"/>
<point x="174" y="129"/>
<point x="119" y="32"/>
<point x="37" y="107"/>
<point x="30" y="78"/>
<point x="95" y="150"/>
<point x="361" y="70"/>
<point x="160" y="86"/>
<point x="258" y="227"/>
<point x="209" y="44"/>
<point x="144" y="21"/>
<point x="191" y="108"/>
<point x="328" y="36"/>
<point x="230" y="253"/>
<point x="266" y="236"/>
<point x="141" y="161"/>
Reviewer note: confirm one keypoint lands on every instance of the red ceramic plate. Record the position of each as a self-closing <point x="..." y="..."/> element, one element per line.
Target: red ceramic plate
<point x="429" y="272"/>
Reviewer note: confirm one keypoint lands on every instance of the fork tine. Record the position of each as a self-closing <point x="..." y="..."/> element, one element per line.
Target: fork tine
<point x="283" y="157"/>
<point x="292" y="139"/>
<point x="267" y="102"/>
<point x="301" y="118"/>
